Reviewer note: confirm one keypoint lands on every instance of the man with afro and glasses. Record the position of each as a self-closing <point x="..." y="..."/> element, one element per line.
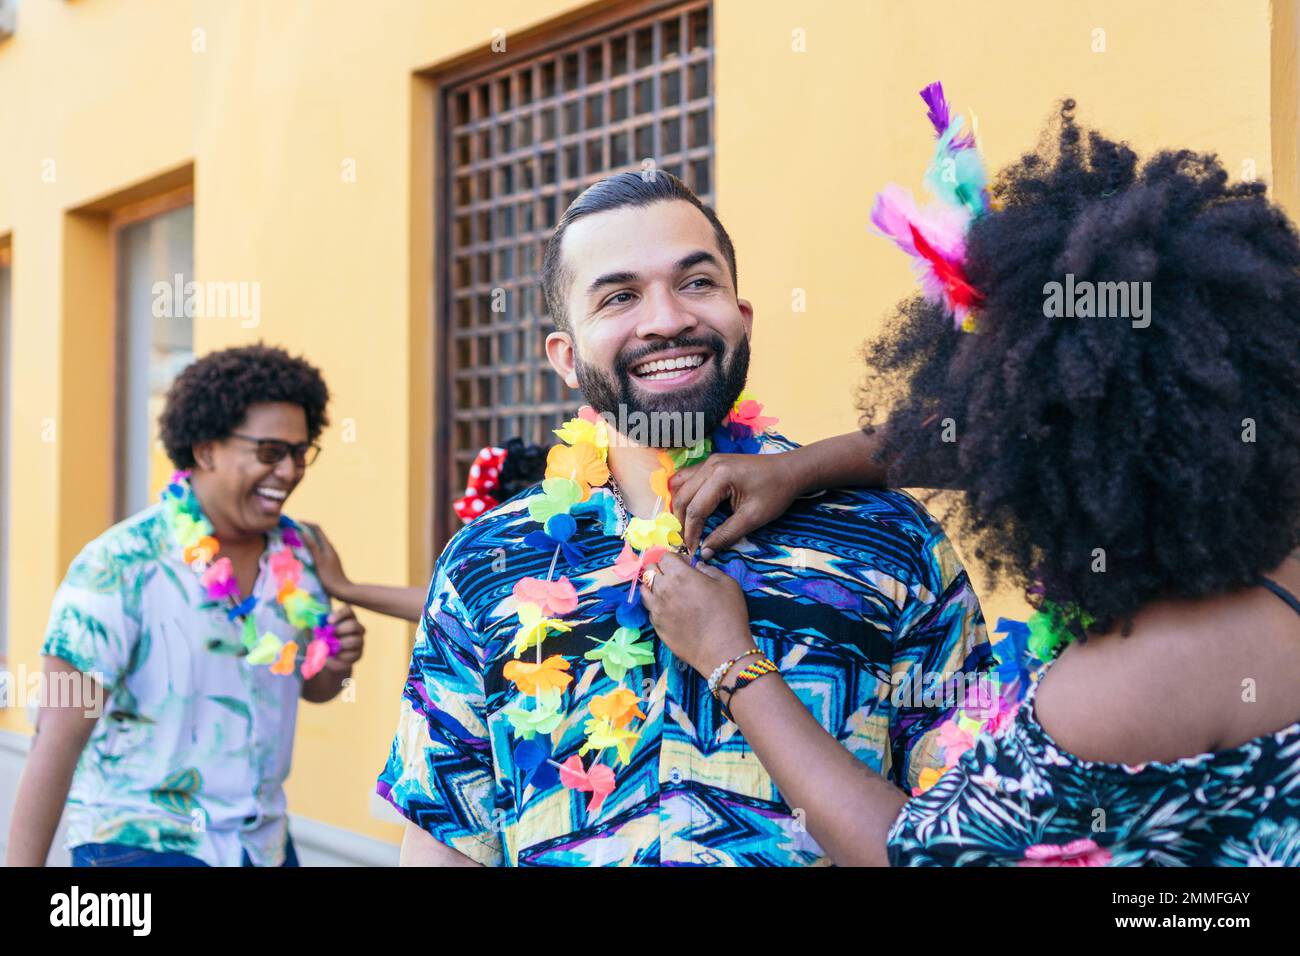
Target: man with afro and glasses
<point x="190" y="631"/>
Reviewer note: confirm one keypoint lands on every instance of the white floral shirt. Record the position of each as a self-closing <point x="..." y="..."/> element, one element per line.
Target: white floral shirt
<point x="194" y="744"/>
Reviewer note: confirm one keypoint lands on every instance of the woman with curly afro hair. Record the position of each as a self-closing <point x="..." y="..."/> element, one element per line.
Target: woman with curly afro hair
<point x="198" y="624"/>
<point x="1137" y="475"/>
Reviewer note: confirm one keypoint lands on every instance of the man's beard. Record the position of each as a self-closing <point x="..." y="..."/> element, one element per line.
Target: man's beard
<point x="712" y="398"/>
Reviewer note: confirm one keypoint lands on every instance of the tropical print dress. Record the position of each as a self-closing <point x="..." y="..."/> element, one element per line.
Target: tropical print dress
<point x="194" y="743"/>
<point x="1015" y="798"/>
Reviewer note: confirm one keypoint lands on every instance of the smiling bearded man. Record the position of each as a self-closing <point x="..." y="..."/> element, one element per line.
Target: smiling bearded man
<point x="596" y="747"/>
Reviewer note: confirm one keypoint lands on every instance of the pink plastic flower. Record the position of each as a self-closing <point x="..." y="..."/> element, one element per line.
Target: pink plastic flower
<point x="219" y="579"/>
<point x="954" y="741"/>
<point x="750" y="414"/>
<point x="1075" y="853"/>
<point x="317" y="652"/>
<point x="554" y="597"/>
<point x="285" y="567"/>
<point x="1006" y="713"/>
<point x="598" y="781"/>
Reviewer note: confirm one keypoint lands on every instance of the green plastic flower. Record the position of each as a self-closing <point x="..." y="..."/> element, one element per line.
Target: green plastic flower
<point x="557" y="497"/>
<point x="624" y="650"/>
<point x="685" y="457"/>
<point x="302" y="609"/>
<point x="188" y="531"/>
<point x="541" y="717"/>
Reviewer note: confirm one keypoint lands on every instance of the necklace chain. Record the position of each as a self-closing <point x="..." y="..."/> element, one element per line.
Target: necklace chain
<point x="618" y="501"/>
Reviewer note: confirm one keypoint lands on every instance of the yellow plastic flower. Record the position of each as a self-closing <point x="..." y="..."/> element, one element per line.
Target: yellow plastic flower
<point x="267" y="649"/>
<point x="971" y="725"/>
<point x="189" y="531"/>
<point x="580" y="431"/>
<point x="602" y="733"/>
<point x="302" y="609"/>
<point x="580" y="463"/>
<point x="665" y="531"/>
<point x="534" y="626"/>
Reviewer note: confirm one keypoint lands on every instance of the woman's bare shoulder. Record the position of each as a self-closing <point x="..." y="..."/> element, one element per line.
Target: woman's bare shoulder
<point x="1191" y="678"/>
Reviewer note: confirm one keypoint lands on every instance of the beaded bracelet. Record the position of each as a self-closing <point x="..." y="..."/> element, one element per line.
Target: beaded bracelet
<point x="720" y="671"/>
<point x="750" y="674"/>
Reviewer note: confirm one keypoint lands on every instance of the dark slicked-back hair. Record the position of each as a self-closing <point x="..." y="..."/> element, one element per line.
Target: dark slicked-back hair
<point x="623" y="190"/>
<point x="1105" y="466"/>
<point x="210" y="397"/>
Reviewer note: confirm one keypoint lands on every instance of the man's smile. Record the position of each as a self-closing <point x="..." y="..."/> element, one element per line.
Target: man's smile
<point x="672" y="368"/>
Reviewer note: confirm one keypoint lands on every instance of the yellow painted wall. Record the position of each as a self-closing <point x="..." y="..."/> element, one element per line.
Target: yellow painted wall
<point x="96" y="97"/>
<point x="283" y="93"/>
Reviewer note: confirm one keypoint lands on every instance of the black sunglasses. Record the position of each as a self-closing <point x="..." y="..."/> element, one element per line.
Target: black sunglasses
<point x="271" y="451"/>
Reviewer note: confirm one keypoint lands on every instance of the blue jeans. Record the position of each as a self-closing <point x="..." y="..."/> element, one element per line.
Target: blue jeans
<point x="120" y="854"/>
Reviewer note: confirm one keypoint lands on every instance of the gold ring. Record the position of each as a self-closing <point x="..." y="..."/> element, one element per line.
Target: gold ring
<point x="648" y="578"/>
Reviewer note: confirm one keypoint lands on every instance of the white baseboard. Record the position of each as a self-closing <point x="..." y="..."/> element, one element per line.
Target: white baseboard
<point x="321" y="844"/>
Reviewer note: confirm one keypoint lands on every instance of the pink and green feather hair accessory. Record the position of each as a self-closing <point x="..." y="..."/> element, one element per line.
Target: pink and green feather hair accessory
<point x="934" y="235"/>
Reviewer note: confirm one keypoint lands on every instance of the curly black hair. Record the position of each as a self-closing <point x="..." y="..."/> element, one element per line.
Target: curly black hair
<point x="211" y="396"/>
<point x="1173" y="448"/>
<point x="525" y="466"/>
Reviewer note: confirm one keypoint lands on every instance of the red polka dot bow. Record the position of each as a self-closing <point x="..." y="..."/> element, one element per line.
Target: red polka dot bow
<point x="484" y="481"/>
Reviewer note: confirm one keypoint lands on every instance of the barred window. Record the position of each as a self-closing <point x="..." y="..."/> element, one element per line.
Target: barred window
<point x="520" y="141"/>
<point x="154" y="243"/>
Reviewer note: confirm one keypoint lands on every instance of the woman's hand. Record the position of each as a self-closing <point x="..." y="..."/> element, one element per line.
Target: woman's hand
<point x="699" y="612"/>
<point x="329" y="566"/>
<point x="406" y="603"/>
<point x="759" y="487"/>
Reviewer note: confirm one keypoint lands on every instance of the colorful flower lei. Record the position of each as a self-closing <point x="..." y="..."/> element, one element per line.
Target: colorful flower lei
<point x="1025" y="649"/>
<point x="300" y="608"/>
<point x="572" y="470"/>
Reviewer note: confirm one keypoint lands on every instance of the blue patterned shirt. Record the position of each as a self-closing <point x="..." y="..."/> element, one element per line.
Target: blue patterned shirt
<point x="852" y="593"/>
